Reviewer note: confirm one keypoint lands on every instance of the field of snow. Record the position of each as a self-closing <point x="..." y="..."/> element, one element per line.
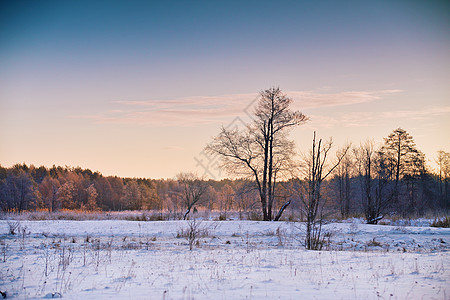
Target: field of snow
<point x="116" y="259"/>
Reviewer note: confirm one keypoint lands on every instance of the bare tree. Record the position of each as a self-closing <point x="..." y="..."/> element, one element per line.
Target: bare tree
<point x="443" y="161"/>
<point x="262" y="150"/>
<point x="193" y="190"/>
<point x="317" y="170"/>
<point x="343" y="181"/>
<point x="374" y="177"/>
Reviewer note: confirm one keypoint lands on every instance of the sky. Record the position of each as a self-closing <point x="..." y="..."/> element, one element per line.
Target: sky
<point x="139" y="88"/>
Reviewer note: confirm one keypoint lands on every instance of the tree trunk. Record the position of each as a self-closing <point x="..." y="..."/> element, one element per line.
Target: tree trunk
<point x="270" y="167"/>
<point x="280" y="212"/>
<point x="264" y="183"/>
<point x="263" y="205"/>
<point x="397" y="171"/>
<point x="374" y="221"/>
<point x="186" y="213"/>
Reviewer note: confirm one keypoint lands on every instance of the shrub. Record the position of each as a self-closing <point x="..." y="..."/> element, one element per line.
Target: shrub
<point x="193" y="232"/>
<point x="373" y="243"/>
<point x="254" y="216"/>
<point x="445" y="223"/>
<point x="13" y="227"/>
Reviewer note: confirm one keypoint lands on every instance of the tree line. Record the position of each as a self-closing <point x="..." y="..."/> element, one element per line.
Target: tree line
<point x="31" y="188"/>
<point x="365" y="179"/>
<point x="362" y="183"/>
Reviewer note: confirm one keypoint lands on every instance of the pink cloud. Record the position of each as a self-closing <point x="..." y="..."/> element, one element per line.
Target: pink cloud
<point x="202" y="110"/>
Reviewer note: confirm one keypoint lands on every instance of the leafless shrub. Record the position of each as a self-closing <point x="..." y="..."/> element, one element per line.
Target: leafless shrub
<point x="130" y="244"/>
<point x="108" y="246"/>
<point x="4" y="252"/>
<point x="46" y="257"/>
<point x="202" y="231"/>
<point x="193" y="232"/>
<point x="14" y="226"/>
<point x="319" y="241"/>
<point x="97" y="248"/>
<point x="65" y="254"/>
<point x="281" y="236"/>
<point x="373" y="243"/>
<point x="24" y="233"/>
<point x="247" y="242"/>
<point x="327" y="239"/>
<point x="63" y="280"/>
<point x="84" y="253"/>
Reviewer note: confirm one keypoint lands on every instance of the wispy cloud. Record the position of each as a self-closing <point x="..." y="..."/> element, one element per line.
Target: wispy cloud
<point x="365" y="118"/>
<point x="308" y="99"/>
<point x="419" y="115"/>
<point x="201" y="110"/>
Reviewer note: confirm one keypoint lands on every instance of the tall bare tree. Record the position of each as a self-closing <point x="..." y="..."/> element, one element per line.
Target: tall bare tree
<point x="344" y="173"/>
<point x="317" y="169"/>
<point x="193" y="190"/>
<point x="262" y="150"/>
<point x="374" y="179"/>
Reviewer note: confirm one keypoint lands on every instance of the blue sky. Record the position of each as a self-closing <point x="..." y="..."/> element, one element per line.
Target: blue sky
<point x="134" y="88"/>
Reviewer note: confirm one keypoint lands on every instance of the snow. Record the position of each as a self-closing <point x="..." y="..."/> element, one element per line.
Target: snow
<point x="114" y="259"/>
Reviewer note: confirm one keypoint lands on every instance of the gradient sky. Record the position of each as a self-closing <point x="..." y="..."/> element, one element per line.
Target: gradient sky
<point x="137" y="89"/>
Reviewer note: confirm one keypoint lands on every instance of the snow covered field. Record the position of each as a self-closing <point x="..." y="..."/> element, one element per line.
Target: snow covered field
<point x="115" y="259"/>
